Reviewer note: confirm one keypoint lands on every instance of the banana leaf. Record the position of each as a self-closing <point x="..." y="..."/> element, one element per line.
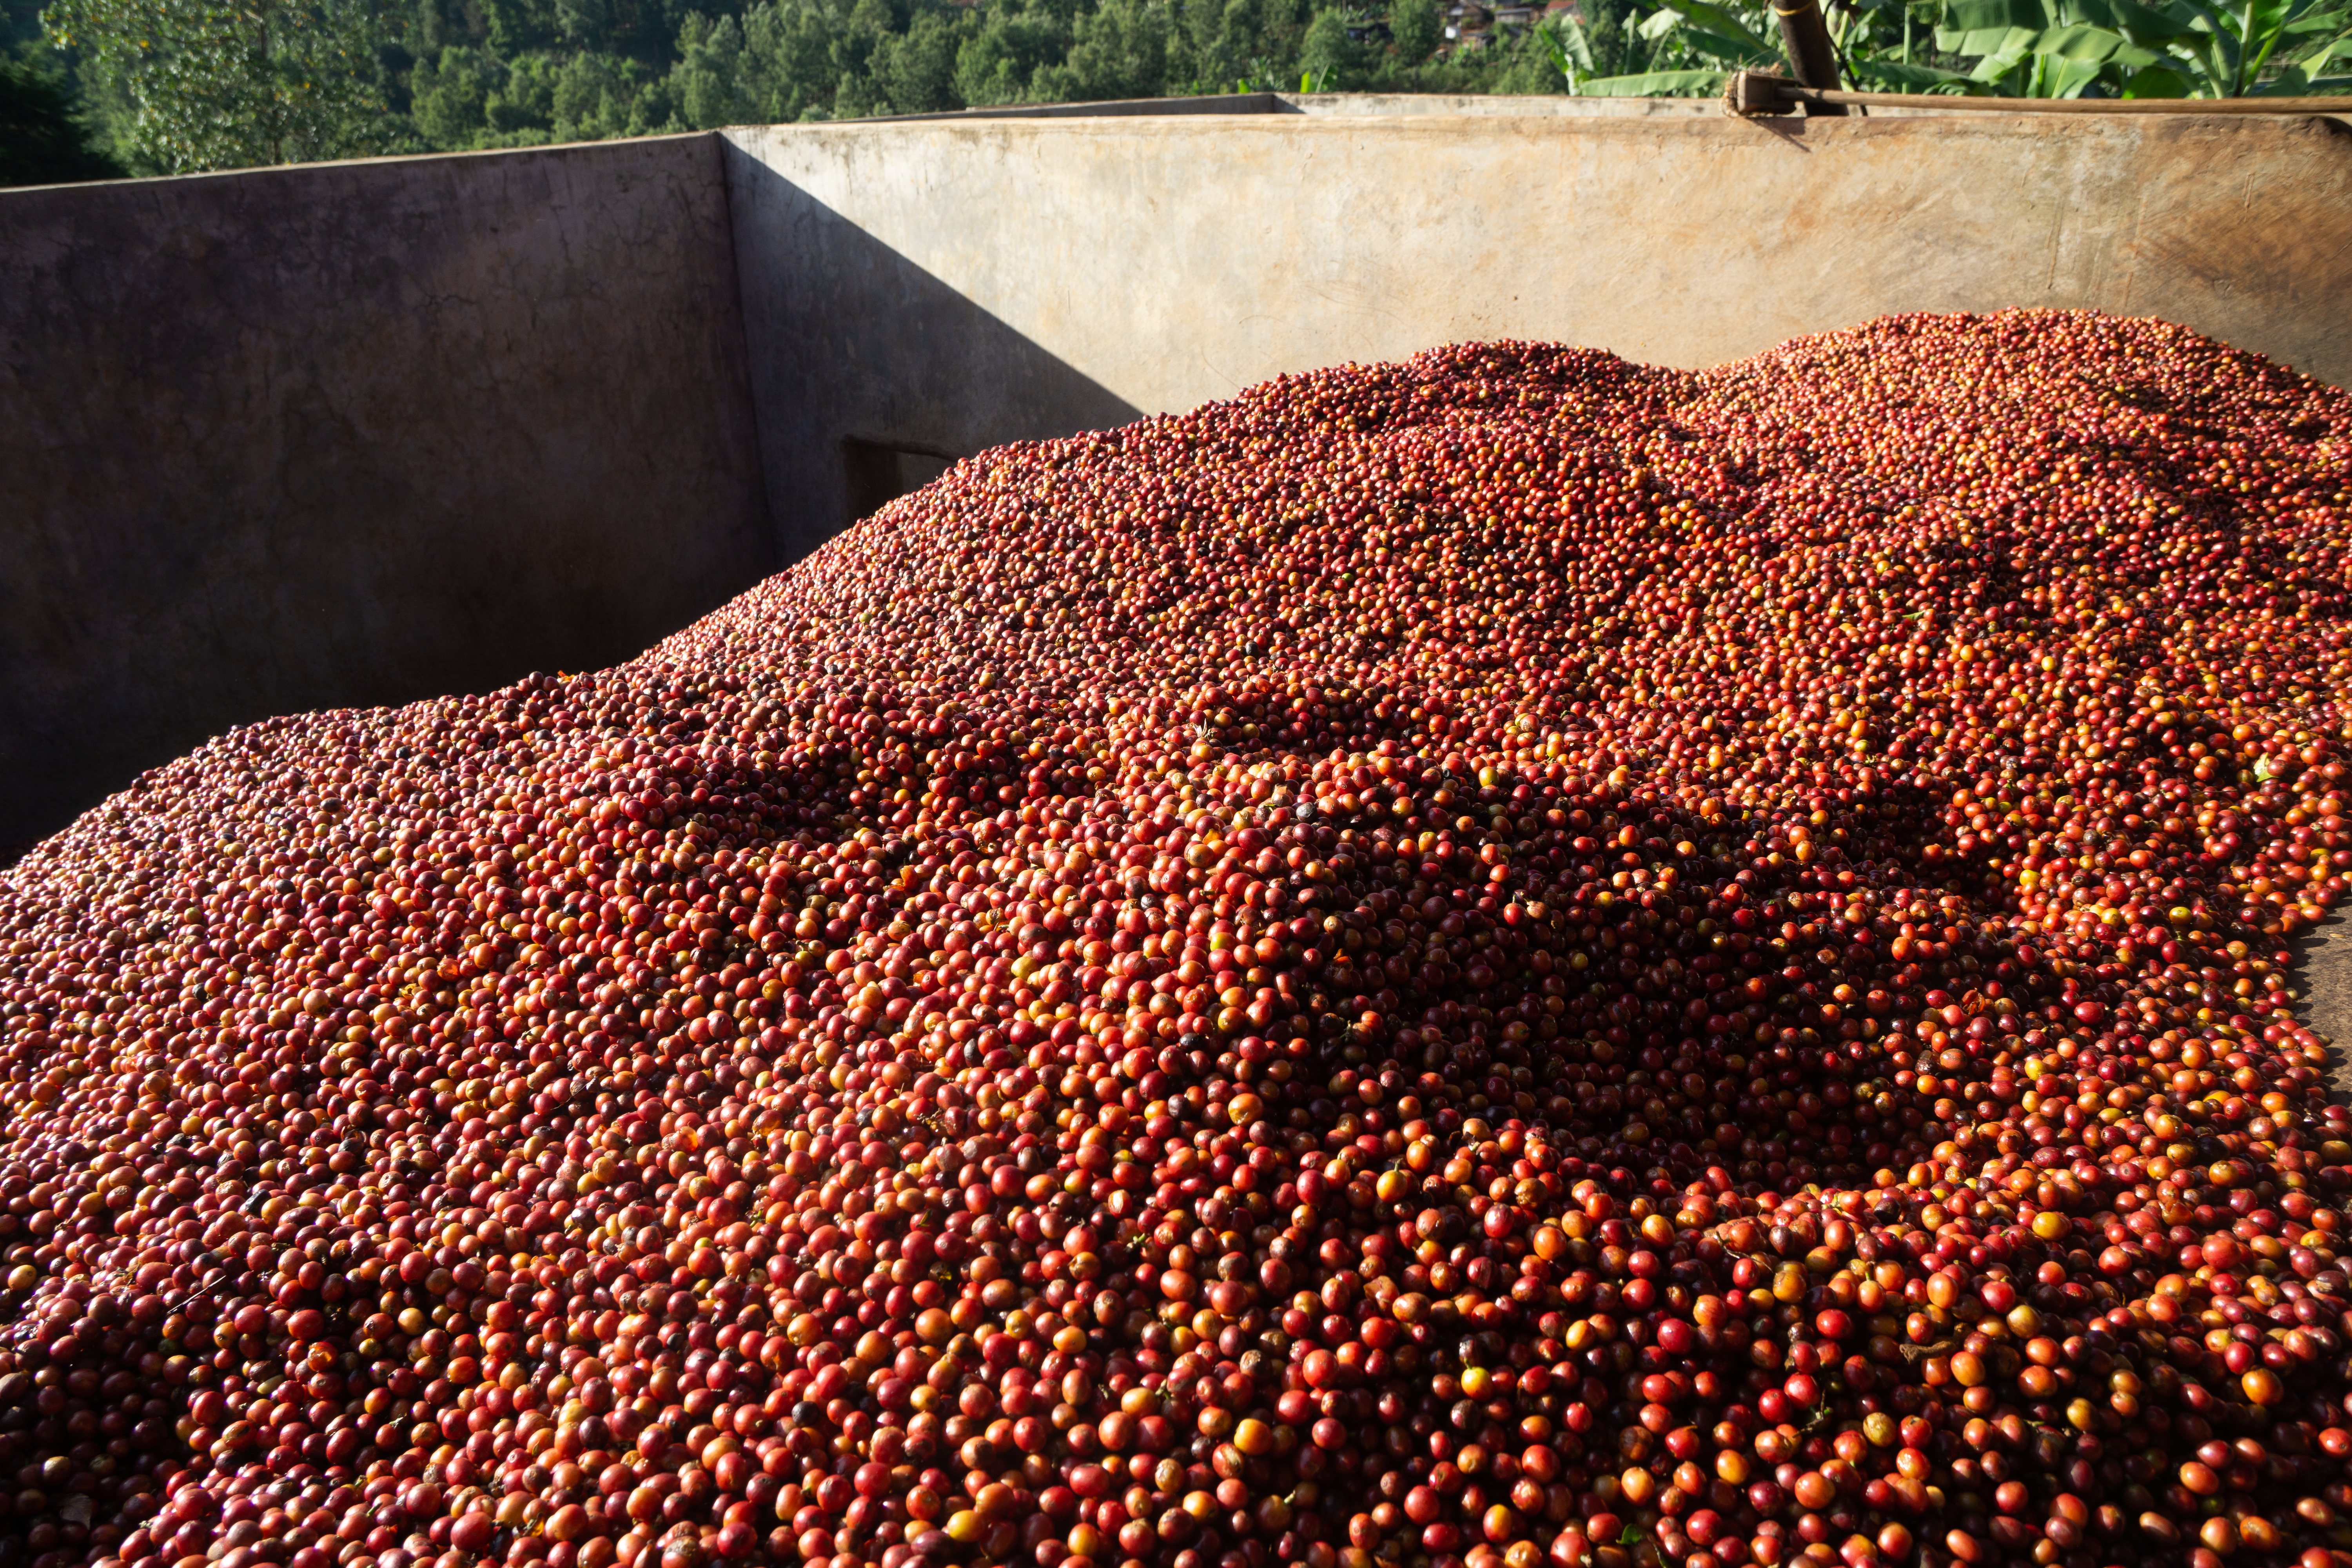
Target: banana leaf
<point x="2008" y="45"/>
<point x="2330" y="22"/>
<point x="1655" y="84"/>
<point x="1894" y="76"/>
<point x="1987" y="16"/>
<point x="2259" y="27"/>
<point x="1735" y="51"/>
<point x="2296" y="82"/>
<point x="2138" y="23"/>
<point x="2217" y="44"/>
<point x="2048" y="76"/>
<point x="1715" y="20"/>
<point x="1707" y="31"/>
<point x="1571" y="50"/>
<point x="2314" y="64"/>
<point x="2087" y="45"/>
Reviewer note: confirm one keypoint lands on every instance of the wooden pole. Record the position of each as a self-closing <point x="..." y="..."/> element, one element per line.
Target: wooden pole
<point x="1805" y="36"/>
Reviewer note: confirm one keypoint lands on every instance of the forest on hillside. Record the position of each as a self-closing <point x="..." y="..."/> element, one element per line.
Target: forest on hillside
<point x="349" y="76"/>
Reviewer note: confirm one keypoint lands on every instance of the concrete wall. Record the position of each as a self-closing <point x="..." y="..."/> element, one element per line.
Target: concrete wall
<point x="355" y="433"/>
<point x="948" y="286"/>
<point x="1360" y="105"/>
<point x="360" y="433"/>
<point x="1353" y="105"/>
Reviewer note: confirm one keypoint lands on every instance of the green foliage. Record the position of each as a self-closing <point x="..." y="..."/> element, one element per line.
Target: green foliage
<point x="997" y="63"/>
<point x="1685" y="47"/>
<point x="189" y="84"/>
<point x="224" y="84"/>
<point x="45" y="139"/>
<point x="1329" y="55"/>
<point x="585" y="25"/>
<point x="1118" y="51"/>
<point x="2181" y="49"/>
<point x="515" y="25"/>
<point x="2024" y="49"/>
<point x="450" y="95"/>
<point x="712" y="90"/>
<point x="915" y="70"/>
<point x="596" y="97"/>
<point x="1416" y="27"/>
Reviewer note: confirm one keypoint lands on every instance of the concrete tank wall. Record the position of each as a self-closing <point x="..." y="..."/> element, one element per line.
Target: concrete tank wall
<point x="355" y="433"/>
<point x="359" y="433"/>
<point x="942" y="287"/>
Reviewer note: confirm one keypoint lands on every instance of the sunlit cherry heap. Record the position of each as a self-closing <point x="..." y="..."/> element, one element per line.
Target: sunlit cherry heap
<point x="1500" y="960"/>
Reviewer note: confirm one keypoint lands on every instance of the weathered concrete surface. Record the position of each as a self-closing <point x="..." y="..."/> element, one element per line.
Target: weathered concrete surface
<point x="1356" y="105"/>
<point x="853" y="345"/>
<point x="1360" y="105"/>
<point x="355" y="434"/>
<point x="1205" y="103"/>
<point x="946" y="286"/>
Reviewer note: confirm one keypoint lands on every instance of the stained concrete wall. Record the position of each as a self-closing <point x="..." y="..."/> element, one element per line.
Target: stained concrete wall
<point x="355" y="433"/>
<point x="359" y="433"/>
<point x="948" y="286"/>
<point x="1355" y="105"/>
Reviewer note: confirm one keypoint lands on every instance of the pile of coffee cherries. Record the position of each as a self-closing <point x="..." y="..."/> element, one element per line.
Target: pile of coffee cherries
<point x="1503" y="960"/>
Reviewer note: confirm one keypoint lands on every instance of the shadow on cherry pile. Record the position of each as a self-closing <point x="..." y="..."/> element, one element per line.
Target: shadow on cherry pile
<point x="1500" y="960"/>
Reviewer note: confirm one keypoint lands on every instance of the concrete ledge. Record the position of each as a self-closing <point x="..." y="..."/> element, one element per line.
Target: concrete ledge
<point x="1357" y="105"/>
<point x="1499" y="106"/>
<point x="1114" y="108"/>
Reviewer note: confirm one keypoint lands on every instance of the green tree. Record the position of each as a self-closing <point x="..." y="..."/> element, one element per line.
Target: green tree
<point x="449" y="96"/>
<point x="429" y="28"/>
<point x="586" y="24"/>
<point x="1327" y="57"/>
<point x="227" y="84"/>
<point x="788" y="60"/>
<point x="1118" y="51"/>
<point x="44" y="139"/>
<point x="1215" y="51"/>
<point x="857" y="96"/>
<point x="655" y="109"/>
<point x="709" y="79"/>
<point x="1416" y="27"/>
<point x="997" y="63"/>
<point x="915" y="70"/>
<point x="855" y="35"/>
<point x="174" y="84"/>
<point x="521" y="109"/>
<point x="1525" y="72"/>
<point x="590" y="98"/>
<point x="515" y="25"/>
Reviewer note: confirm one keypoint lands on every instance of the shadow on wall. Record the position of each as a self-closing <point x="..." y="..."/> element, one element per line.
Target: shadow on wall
<point x="877" y="474"/>
<point x="870" y="376"/>
<point x="361" y="434"/>
<point x="355" y="433"/>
